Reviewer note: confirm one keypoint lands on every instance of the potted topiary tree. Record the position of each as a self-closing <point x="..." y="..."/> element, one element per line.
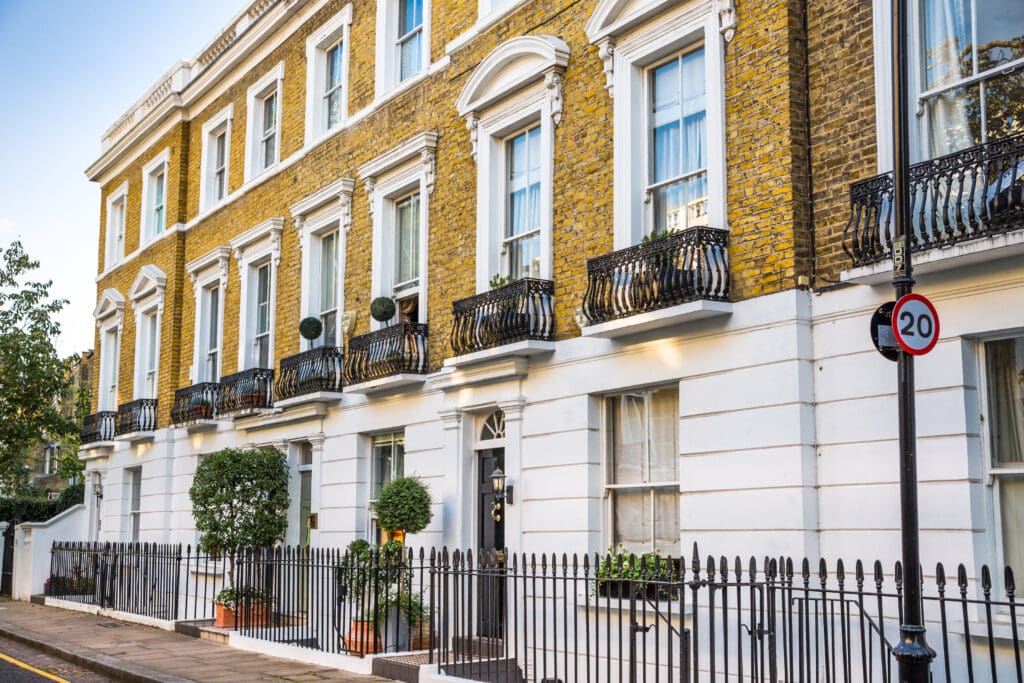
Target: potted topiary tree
<point x="240" y="499"/>
<point x="402" y="508"/>
<point x="382" y="309"/>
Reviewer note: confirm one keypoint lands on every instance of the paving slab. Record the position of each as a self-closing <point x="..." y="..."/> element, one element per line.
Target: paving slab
<point x="131" y="652"/>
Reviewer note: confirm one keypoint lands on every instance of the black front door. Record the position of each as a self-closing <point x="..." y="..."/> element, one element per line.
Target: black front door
<point x="491" y="582"/>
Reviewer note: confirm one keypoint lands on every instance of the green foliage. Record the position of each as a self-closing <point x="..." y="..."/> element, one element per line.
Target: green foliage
<point x="382" y="309"/>
<point x="656" y="235"/>
<point x="24" y="509"/>
<point x="404" y="504"/>
<point x="499" y="280"/>
<point x="638" y="572"/>
<point x="408" y="603"/>
<point x="240" y="498"/>
<point x="33" y="377"/>
<point x="233" y="597"/>
<point x="311" y="328"/>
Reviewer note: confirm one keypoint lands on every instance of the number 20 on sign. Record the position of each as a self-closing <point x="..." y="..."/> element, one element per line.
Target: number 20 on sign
<point x="915" y="324"/>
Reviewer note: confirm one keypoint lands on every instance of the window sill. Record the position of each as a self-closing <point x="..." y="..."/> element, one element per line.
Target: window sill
<point x="653" y="320"/>
<point x="528" y="347"/>
<point x="96" y="450"/>
<point x="481" y="25"/>
<point x="134" y="438"/>
<point x="385" y="384"/>
<point x="942" y="258"/>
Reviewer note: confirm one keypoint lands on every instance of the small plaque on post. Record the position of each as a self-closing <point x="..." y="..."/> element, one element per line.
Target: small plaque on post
<point x="881" y="331"/>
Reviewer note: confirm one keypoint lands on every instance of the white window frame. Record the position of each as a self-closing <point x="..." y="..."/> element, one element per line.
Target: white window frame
<point x="271" y="82"/>
<point x="395" y="436"/>
<point x="219" y="124"/>
<point x="206" y="271"/>
<point x="334" y="31"/>
<point x="993" y="474"/>
<point x="116" y="234"/>
<point x="109" y="316"/>
<point x="607" y="463"/>
<point x="390" y="178"/>
<point x="255" y="247"/>
<point x="325" y="210"/>
<point x="388" y="72"/>
<point x="133" y="504"/>
<point x="147" y="297"/>
<point x="150" y="171"/>
<point x="631" y="42"/>
<point x="518" y="85"/>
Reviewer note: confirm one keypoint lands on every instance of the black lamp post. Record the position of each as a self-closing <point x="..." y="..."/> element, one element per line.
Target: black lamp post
<point x="502" y="493"/>
<point x="912" y="652"/>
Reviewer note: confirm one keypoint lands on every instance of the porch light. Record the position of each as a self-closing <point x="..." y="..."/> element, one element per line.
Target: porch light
<point x="502" y="493"/>
<point x="97" y="489"/>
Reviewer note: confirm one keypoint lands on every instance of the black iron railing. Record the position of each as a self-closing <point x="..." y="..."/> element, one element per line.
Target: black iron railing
<point x="686" y="265"/>
<point x="524" y="309"/>
<point x="978" y="192"/>
<point x="319" y="369"/>
<point x="137" y="416"/>
<point x="390" y="351"/>
<point x="250" y="389"/>
<point x="163" y="581"/>
<point x="98" y="426"/>
<point x="194" y="403"/>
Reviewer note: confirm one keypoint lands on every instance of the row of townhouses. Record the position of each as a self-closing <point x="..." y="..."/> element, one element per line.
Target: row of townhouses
<point x="633" y="248"/>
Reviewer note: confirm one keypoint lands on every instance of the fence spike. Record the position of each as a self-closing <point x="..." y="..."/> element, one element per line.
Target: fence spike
<point x="753" y="568"/>
<point x="898" y="573"/>
<point x="806" y="570"/>
<point x="859" y="572"/>
<point x="738" y="564"/>
<point x="1008" y="581"/>
<point x="789" y="569"/>
<point x="723" y="568"/>
<point x="840" y="571"/>
<point x="822" y="570"/>
<point x="986" y="580"/>
<point x="940" y="576"/>
<point x="961" y="578"/>
<point x="695" y="565"/>
<point x="878" y="574"/>
<point x="710" y="566"/>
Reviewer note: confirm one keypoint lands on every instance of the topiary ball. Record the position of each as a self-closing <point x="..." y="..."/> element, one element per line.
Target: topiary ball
<point x="404" y="505"/>
<point x="311" y="328"/>
<point x="382" y="309"/>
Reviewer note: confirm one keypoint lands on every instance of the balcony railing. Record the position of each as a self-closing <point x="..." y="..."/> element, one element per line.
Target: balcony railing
<point x="959" y="197"/>
<point x="309" y="372"/>
<point x="194" y="403"/>
<point x="98" y="427"/>
<point x="395" y="350"/>
<point x="518" y="311"/>
<point x="250" y="389"/>
<point x="686" y="265"/>
<point x="137" y="416"/>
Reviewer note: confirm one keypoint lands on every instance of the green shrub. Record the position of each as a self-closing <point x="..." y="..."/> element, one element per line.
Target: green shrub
<point x="38" y="509"/>
<point x="404" y="505"/>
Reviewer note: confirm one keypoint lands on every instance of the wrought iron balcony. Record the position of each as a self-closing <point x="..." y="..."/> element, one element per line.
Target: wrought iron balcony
<point x="686" y="265"/>
<point x="251" y="389"/>
<point x="98" y="427"/>
<point x="967" y="195"/>
<point x="310" y="372"/>
<point x="395" y="350"/>
<point x="516" y="312"/>
<point x="194" y="403"/>
<point x="137" y="416"/>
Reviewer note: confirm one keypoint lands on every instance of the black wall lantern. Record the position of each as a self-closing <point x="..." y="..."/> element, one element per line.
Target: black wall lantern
<point x="503" y="493"/>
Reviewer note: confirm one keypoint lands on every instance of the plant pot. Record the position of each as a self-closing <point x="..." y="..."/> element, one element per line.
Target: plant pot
<point x="421" y="637"/>
<point x="226" y="617"/>
<point x="362" y="638"/>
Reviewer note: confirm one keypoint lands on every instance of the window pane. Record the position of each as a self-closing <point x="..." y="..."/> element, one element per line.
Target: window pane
<point x="1005" y="372"/>
<point x="151" y="341"/>
<point x="947" y="41"/>
<point x="269" y="151"/>
<point x="330" y="333"/>
<point x="388" y="459"/>
<point x="954" y="120"/>
<point x="329" y="272"/>
<point x="410" y="56"/>
<point x="269" y="113"/>
<point x="666" y="521"/>
<point x="628" y="433"/>
<point x="263" y="299"/>
<point x="693" y="107"/>
<point x="219" y="150"/>
<point x="212" y="317"/>
<point x="1011" y="503"/>
<point x="664" y="455"/>
<point x="333" y="67"/>
<point x="334" y="108"/>
<point x="1004" y="105"/>
<point x="1000" y="32"/>
<point x="630" y="517"/>
<point x="665" y="114"/>
<point x="407" y="238"/>
<point x="411" y="15"/>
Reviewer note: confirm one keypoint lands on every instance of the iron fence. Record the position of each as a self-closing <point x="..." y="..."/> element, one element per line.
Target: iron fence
<point x="194" y="403"/>
<point x="136" y="416"/>
<point x="251" y="389"/>
<point x="99" y="426"/>
<point x="685" y="265"/>
<point x="973" y="193"/>
<point x="318" y="369"/>
<point x="163" y="581"/>
<point x="389" y="351"/>
<point x="520" y="310"/>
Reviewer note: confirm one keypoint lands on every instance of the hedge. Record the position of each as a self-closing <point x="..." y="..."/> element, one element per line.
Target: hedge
<point x="37" y="509"/>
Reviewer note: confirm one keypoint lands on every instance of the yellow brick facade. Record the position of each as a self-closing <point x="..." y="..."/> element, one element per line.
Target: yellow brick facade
<point x="766" y="170"/>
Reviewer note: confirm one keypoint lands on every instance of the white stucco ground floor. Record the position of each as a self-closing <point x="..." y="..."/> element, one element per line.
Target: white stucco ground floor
<point x="770" y="429"/>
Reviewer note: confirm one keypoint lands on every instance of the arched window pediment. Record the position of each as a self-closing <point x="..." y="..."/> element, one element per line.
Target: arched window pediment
<point x="149" y="280"/>
<point x="110" y="302"/>
<point x="511" y="66"/>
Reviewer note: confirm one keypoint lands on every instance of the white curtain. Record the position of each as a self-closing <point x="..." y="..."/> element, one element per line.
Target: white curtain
<point x="1005" y="360"/>
<point x="947" y="58"/>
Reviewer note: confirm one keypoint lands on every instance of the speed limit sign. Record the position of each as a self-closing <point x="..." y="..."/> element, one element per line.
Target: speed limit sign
<point x="915" y="324"/>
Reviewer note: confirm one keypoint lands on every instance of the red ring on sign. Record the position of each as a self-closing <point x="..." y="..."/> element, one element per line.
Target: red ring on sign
<point x="905" y="299"/>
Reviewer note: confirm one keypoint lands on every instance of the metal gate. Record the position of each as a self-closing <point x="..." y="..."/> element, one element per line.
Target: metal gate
<point x="6" y="581"/>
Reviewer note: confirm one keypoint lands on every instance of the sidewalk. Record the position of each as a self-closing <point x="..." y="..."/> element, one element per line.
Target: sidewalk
<point x="129" y="652"/>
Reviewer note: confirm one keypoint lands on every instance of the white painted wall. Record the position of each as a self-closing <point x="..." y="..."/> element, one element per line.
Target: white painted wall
<point x="32" y="543"/>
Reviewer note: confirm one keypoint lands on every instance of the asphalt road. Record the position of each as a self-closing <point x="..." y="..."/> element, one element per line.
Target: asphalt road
<point x="53" y="668"/>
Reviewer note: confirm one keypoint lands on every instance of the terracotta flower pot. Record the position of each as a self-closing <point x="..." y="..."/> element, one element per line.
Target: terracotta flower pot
<point x="362" y="638"/>
<point x="226" y="617"/>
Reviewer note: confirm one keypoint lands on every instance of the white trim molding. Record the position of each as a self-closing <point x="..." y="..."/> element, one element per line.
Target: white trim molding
<point x="256" y="246"/>
<point x="147" y="297"/>
<point x="204" y="271"/>
<point x="407" y="168"/>
<point x="517" y="86"/>
<point x="629" y="39"/>
<point x="222" y="120"/>
<point x="112" y="258"/>
<point x="151" y="282"/>
<point x="272" y="81"/>
<point x="388" y="57"/>
<point x="111" y="302"/>
<point x="334" y="31"/>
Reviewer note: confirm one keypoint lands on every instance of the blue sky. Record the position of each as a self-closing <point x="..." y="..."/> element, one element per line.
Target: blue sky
<point x="70" y="68"/>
